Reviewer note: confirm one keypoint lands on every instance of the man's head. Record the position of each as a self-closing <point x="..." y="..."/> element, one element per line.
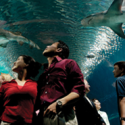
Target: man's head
<point x="97" y="104"/>
<point x="119" y="69"/>
<point x="57" y="49"/>
<point x="87" y="86"/>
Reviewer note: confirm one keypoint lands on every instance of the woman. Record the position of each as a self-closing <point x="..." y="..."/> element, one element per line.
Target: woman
<point x="19" y="94"/>
<point x="102" y="113"/>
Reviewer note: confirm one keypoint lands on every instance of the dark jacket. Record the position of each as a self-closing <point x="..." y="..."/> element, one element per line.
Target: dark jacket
<point x="87" y="113"/>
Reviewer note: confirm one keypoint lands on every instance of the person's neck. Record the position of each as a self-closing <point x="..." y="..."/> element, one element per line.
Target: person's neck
<point x="85" y="95"/>
<point x="22" y="75"/>
<point x="50" y="59"/>
<point x="98" y="109"/>
<point x="122" y="74"/>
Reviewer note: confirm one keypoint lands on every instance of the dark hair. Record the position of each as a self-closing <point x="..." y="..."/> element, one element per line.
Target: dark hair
<point x="121" y="64"/>
<point x="33" y="67"/>
<point x="65" y="50"/>
<point x="94" y="99"/>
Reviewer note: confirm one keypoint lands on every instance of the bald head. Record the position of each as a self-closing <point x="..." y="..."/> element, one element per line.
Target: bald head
<point x="87" y="86"/>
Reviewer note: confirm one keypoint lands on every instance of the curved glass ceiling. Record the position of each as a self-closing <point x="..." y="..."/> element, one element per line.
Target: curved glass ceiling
<point x="28" y="26"/>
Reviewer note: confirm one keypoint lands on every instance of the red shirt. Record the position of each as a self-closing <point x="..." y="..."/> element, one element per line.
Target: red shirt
<point x="62" y="77"/>
<point x="18" y="102"/>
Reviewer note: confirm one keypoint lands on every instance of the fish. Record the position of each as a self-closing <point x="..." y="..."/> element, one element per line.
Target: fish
<point x="90" y="56"/>
<point x="113" y="18"/>
<point x="7" y="36"/>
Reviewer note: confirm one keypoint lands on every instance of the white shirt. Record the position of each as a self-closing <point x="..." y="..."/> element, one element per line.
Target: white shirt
<point x="89" y="100"/>
<point x="72" y="122"/>
<point x="104" y="116"/>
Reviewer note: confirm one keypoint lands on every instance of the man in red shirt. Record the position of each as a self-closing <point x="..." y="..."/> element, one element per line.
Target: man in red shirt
<point x="60" y="85"/>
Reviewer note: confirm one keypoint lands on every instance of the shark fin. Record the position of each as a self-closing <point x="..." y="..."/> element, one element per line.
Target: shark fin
<point x="118" y="30"/>
<point x="115" y="8"/>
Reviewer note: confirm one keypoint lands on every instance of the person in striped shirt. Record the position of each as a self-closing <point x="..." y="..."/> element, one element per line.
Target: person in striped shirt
<point x="119" y="73"/>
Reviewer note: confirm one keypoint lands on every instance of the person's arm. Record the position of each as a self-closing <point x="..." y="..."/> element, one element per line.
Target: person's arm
<point x="122" y="109"/>
<point x="1" y="101"/>
<point x="37" y="105"/>
<point x="120" y="83"/>
<point x="69" y="99"/>
<point x="75" y="78"/>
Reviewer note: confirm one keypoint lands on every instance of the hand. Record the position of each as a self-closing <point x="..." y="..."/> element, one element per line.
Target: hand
<point x="51" y="110"/>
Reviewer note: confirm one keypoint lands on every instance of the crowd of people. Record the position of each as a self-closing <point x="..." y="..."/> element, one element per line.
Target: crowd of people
<point x="58" y="97"/>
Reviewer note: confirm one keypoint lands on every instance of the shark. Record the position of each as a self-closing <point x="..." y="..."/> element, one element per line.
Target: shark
<point x="113" y="18"/>
<point x="7" y="36"/>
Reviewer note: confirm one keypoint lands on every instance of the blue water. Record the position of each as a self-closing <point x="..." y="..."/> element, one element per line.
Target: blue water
<point x="46" y="21"/>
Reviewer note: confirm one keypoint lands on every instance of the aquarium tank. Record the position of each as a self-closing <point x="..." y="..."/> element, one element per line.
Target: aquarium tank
<point x="90" y="28"/>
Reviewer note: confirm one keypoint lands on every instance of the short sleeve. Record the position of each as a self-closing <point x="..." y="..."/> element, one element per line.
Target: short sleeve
<point x="75" y="78"/>
<point x="120" y="86"/>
